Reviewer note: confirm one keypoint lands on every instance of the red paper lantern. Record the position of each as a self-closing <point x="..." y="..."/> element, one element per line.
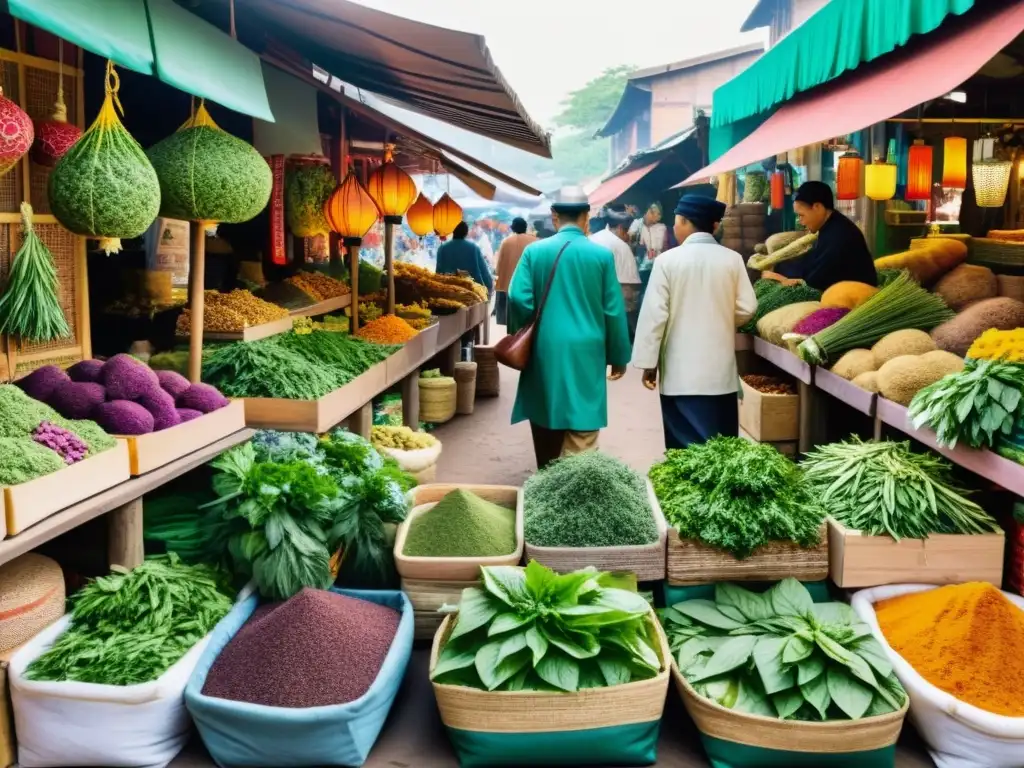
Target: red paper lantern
<point x="919" y="172"/>
<point x="778" y="186"/>
<point x="848" y="176"/>
<point x="55" y="136"/>
<point x="447" y="215"/>
<point x="16" y="134"/>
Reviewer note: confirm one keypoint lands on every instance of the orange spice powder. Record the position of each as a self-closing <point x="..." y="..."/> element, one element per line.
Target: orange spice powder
<point x="387" y="329"/>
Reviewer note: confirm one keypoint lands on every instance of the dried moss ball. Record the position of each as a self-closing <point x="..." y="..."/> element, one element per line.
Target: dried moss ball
<point x="123" y="417"/>
<point x="161" y="405"/>
<point x="76" y="399"/>
<point x="87" y="370"/>
<point x="127" y="379"/>
<point x="203" y="398"/>
<point x="207" y="174"/>
<point x="188" y="414"/>
<point x="173" y="383"/>
<point x="42" y="382"/>
<point x="307" y="185"/>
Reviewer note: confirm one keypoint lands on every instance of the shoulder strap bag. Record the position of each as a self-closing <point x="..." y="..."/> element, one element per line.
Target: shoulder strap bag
<point x="514" y="351"/>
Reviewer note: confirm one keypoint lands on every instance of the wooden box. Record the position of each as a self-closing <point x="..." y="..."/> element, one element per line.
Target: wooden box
<point x="691" y="562"/>
<point x="413" y="354"/>
<point x="28" y="503"/>
<point x="252" y="333"/>
<point x="325" y="307"/>
<point x="450" y="329"/>
<point x="769" y="418"/>
<point x="316" y="415"/>
<point x="148" y="452"/>
<point x="858" y="560"/>
<point x="789" y="449"/>
<point x="427" y="598"/>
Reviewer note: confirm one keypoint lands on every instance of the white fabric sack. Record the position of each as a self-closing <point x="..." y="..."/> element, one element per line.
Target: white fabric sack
<point x="957" y="734"/>
<point x="87" y="724"/>
<point x="417" y="459"/>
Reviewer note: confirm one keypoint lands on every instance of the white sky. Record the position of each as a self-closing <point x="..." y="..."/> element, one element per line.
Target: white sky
<point x="547" y="48"/>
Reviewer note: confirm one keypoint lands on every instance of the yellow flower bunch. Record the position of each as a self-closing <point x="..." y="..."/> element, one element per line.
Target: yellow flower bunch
<point x="993" y="344"/>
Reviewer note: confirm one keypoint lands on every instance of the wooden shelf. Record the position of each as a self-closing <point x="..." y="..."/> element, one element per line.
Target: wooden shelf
<point x="324" y="307"/>
<point x="744" y="342"/>
<point x="785" y="360"/>
<point x="251" y="333"/>
<point x="413" y="354"/>
<point x="450" y="329"/>
<point x="845" y="391"/>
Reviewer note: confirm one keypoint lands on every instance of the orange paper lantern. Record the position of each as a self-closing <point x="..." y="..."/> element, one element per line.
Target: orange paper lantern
<point x="919" y="172"/>
<point x="447" y="215"/>
<point x="350" y="210"/>
<point x="391" y="188"/>
<point x="848" y="176"/>
<point x="954" y="163"/>
<point x="420" y="216"/>
<point x="778" y="187"/>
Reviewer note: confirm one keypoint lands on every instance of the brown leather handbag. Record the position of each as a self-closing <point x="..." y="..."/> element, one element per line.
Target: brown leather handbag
<point x="514" y="350"/>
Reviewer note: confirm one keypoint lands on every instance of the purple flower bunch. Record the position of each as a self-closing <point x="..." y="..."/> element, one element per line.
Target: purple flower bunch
<point x="68" y="445"/>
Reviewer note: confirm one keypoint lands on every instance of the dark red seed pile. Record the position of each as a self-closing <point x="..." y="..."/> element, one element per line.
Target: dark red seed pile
<point x="315" y="649"/>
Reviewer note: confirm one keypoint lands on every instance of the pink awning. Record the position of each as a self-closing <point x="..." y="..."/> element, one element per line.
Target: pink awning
<point x="618" y="185"/>
<point x="899" y="82"/>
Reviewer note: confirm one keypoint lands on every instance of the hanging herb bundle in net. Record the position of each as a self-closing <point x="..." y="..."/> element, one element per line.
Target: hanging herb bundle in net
<point x="30" y="308"/>
<point x="308" y="183"/>
<point x="104" y="187"/>
<point x="900" y="304"/>
<point x="208" y="175"/>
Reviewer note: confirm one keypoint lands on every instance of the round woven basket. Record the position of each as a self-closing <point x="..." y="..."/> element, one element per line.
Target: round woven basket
<point x="438" y="398"/>
<point x="31" y="598"/>
<point x="488" y="382"/>
<point x="465" y="381"/>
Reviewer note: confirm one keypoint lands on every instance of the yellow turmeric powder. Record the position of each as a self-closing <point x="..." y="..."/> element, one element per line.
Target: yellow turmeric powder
<point x="965" y="639"/>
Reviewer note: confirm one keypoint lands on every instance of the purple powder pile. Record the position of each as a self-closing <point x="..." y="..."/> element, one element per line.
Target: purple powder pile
<point x="68" y="445"/>
<point x="819" y="320"/>
<point x="315" y="649"/>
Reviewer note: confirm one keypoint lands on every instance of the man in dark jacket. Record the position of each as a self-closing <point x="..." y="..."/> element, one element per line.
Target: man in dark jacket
<point x="841" y="252"/>
<point x="460" y="255"/>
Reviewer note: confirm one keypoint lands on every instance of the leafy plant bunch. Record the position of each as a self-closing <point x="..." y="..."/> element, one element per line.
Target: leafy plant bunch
<point x="779" y="654"/>
<point x="976" y="406"/>
<point x="530" y="629"/>
<point x="885" y="489"/>
<point x="736" y="496"/>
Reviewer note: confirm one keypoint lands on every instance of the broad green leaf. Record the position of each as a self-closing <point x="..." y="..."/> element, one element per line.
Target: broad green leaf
<point x="561" y="672"/>
<point x="809" y="669"/>
<point x="706" y="612"/>
<point x="790" y="598"/>
<point x="724" y="690"/>
<point x="732" y="613"/>
<point x="476" y="609"/>
<point x="506" y="622"/>
<point x="495" y="667"/>
<point x="879" y="706"/>
<point x="693" y="647"/>
<point x="815" y="693"/>
<point x="796" y="650"/>
<point x="751" y="605"/>
<point x="832" y="649"/>
<point x="787" y="702"/>
<point x="732" y="654"/>
<point x="579" y="645"/>
<point x="570" y="587"/>
<point x="615" y="671"/>
<point x="850" y="695"/>
<point x="619" y="580"/>
<point x="507" y="583"/>
<point x="637" y="647"/>
<point x="518" y="681"/>
<point x="537" y="643"/>
<point x="450" y="660"/>
<point x="611" y="606"/>
<point x="873" y="653"/>
<point x="750" y="699"/>
<point x="768" y="661"/>
<point x="538" y="579"/>
<point x="590" y="675"/>
<point x="672" y="616"/>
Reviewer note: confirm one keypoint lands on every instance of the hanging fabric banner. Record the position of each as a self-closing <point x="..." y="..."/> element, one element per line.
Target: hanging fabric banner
<point x="278" y="251"/>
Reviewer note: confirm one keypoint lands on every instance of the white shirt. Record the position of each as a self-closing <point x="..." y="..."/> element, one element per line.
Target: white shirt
<point x="654" y="237"/>
<point x="698" y="295"/>
<point x="625" y="263"/>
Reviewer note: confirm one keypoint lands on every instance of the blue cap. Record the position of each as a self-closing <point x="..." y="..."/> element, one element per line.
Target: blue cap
<point x="700" y="209"/>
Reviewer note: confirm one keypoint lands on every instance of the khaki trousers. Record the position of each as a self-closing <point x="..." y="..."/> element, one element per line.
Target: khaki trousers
<point x="551" y="444"/>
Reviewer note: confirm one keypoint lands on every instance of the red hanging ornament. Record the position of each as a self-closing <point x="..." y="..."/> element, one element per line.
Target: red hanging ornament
<point x="54" y="137"/>
<point x="16" y="134"/>
<point x="778" y="190"/>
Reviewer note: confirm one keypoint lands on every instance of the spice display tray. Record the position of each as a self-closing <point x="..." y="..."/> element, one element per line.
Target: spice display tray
<point x="477" y="314"/>
<point x="845" y="391"/>
<point x="647" y="561"/>
<point x="461" y="569"/>
<point x="412" y="355"/>
<point x="153" y="450"/>
<point x="784" y="359"/>
<point x="251" y="333"/>
<point x="859" y="560"/>
<point x="769" y="418"/>
<point x="450" y="329"/>
<point x="324" y="307"/>
<point x="316" y="415"/>
<point x="28" y="503"/>
<point x="427" y="598"/>
<point x="692" y="562"/>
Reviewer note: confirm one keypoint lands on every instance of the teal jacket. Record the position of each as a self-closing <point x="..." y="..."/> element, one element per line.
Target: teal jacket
<point x="582" y="331"/>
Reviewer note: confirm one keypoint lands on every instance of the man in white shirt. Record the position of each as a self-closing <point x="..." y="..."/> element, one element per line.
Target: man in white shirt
<point x="698" y="295"/>
<point x="615" y="237"/>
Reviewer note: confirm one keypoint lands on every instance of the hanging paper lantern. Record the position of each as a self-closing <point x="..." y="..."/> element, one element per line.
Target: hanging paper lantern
<point x="16" y="134"/>
<point x="991" y="181"/>
<point x="447" y="215"/>
<point x="778" y="185"/>
<point x="848" y="176"/>
<point x="391" y="188"/>
<point x="420" y="216"/>
<point x="350" y="210"/>
<point x="954" y="162"/>
<point x="880" y="180"/>
<point x="919" y="171"/>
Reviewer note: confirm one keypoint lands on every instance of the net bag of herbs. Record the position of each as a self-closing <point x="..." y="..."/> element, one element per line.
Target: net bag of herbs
<point x="308" y="182"/>
<point x="104" y="187"/>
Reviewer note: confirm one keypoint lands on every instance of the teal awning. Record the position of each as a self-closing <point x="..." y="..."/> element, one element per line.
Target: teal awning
<point x="837" y="39"/>
<point x="158" y="37"/>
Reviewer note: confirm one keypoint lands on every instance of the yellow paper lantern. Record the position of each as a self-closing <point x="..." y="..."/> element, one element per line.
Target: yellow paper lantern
<point x="350" y="210"/>
<point x="420" y="216"/>
<point x="880" y="180"/>
<point x="391" y="188"/>
<point x="954" y="162"/>
<point x="991" y="181"/>
<point x="447" y="215"/>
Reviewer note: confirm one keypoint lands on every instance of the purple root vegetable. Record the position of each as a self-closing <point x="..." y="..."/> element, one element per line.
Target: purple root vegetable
<point x="187" y="414"/>
<point x="127" y="379"/>
<point x="203" y="398"/>
<point x="42" y="382"/>
<point x="819" y="320"/>
<point x="123" y="417"/>
<point x="76" y="399"/>
<point x="161" y="405"/>
<point x="67" y="444"/>
<point x="87" y="370"/>
<point x="173" y="383"/>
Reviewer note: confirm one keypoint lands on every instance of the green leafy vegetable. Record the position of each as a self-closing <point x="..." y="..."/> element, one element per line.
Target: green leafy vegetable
<point x="307" y="185"/>
<point x="530" y="629"/>
<point x="772" y="295"/>
<point x="779" y="654"/>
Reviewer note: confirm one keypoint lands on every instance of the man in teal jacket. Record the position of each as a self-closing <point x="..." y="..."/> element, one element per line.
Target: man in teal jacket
<point x="582" y="330"/>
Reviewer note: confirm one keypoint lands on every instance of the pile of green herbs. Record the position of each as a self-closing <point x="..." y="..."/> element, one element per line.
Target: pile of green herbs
<point x="779" y="654"/>
<point x="976" y="406"/>
<point x="885" y="489"/>
<point x="736" y="496"/>
<point x="291" y="366"/>
<point x="132" y="626"/>
<point x="530" y="629"/>
<point x="772" y="295"/>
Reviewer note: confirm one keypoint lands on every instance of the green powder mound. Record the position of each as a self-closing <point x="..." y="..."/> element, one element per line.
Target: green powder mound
<point x="24" y="460"/>
<point x="20" y="415"/>
<point x="462" y="525"/>
<point x="589" y="500"/>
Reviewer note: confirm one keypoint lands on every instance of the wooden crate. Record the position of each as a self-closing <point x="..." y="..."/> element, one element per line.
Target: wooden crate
<point x="148" y="452"/>
<point x="325" y="307"/>
<point x="427" y="597"/>
<point x="450" y="329"/>
<point x="789" y="449"/>
<point x="769" y="418"/>
<point x="413" y="354"/>
<point x="28" y="503"/>
<point x="858" y="560"/>
<point x="252" y="333"/>
<point x="691" y="562"/>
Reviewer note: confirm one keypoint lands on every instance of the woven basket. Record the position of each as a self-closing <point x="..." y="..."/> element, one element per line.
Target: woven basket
<point x="31" y="598"/>
<point x="691" y="562"/>
<point x="999" y="256"/>
<point x="438" y="398"/>
<point x="488" y="381"/>
<point x="647" y="561"/>
<point x="1011" y="286"/>
<point x="427" y="597"/>
<point x="465" y="380"/>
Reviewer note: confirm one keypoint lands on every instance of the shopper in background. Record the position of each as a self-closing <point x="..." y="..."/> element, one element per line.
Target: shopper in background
<point x="614" y="236"/>
<point x="698" y="296"/>
<point x="649" y="234"/>
<point x="509" y="253"/>
<point x="582" y="330"/>
<point x="460" y="255"/>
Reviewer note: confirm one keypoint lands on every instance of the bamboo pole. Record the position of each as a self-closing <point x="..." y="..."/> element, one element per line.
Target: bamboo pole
<point x="197" y="283"/>
<point x="352" y="245"/>
<point x="389" y="261"/>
